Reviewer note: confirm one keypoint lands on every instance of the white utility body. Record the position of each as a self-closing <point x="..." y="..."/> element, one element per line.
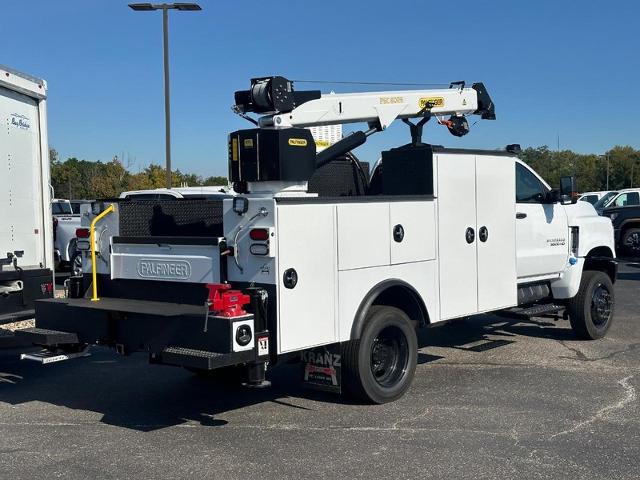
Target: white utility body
<point x="344" y="278"/>
<point x="26" y="236"/>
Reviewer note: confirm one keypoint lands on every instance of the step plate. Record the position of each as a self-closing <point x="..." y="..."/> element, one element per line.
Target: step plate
<point x="202" y="359"/>
<point x="534" y="311"/>
<point x="42" y="336"/>
<point x="45" y="357"/>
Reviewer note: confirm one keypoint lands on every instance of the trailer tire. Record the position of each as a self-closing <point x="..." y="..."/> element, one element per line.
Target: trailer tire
<point x="591" y="310"/>
<point x="380" y="365"/>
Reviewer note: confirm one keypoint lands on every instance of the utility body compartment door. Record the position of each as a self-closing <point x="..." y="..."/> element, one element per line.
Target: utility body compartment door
<point x="363" y="235"/>
<point x="496" y="236"/>
<point x="412" y="226"/>
<point x="457" y="215"/>
<point x="307" y="250"/>
<point x="476" y="234"/>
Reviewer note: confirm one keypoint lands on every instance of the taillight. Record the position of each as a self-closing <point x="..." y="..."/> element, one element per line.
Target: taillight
<point x="46" y="288"/>
<point x="82" y="233"/>
<point x="259" y="234"/>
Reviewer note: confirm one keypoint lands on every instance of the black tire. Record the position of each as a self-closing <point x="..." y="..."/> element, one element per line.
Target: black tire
<point x="76" y="264"/>
<point x="380" y="365"/>
<point x="630" y="242"/>
<point x="591" y="310"/>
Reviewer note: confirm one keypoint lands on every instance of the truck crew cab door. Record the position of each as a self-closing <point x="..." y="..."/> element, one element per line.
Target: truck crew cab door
<point x="542" y="230"/>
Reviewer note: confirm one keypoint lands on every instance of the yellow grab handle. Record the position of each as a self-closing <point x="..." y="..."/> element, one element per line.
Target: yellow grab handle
<point x="92" y="240"/>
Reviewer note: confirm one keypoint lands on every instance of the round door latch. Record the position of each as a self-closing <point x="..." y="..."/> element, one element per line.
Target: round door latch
<point x="290" y="278"/>
<point x="483" y="233"/>
<point x="470" y="235"/>
<point x="398" y="233"/>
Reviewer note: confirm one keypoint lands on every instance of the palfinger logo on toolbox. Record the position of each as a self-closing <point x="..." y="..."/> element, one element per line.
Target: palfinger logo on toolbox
<point x="297" y="142"/>
<point x="164" y="269"/>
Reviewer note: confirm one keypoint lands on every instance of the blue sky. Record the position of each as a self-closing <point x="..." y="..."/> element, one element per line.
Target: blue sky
<point x="552" y="67"/>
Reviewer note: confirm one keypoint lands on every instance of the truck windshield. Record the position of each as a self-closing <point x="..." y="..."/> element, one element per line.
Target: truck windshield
<point x="61" y="208"/>
<point x="605" y="199"/>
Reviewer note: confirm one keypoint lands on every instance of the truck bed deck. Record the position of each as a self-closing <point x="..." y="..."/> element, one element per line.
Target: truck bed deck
<point x="146" y="307"/>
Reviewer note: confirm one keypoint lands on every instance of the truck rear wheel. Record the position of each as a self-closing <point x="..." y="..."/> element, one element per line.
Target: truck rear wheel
<point x="380" y="365"/>
<point x="591" y="310"/>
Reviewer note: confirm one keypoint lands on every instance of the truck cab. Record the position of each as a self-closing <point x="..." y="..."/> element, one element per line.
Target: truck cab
<point x="554" y="239"/>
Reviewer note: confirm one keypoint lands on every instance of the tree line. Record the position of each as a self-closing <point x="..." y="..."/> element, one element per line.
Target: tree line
<point x="85" y="179"/>
<point x="74" y="178"/>
<point x="590" y="170"/>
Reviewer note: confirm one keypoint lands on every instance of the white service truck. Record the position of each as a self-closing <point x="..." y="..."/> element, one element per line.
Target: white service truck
<point x="344" y="280"/>
<point x="26" y="236"/>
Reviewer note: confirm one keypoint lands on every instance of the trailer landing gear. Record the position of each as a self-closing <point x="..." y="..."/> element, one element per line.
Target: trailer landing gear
<point x="250" y="375"/>
<point x="256" y="376"/>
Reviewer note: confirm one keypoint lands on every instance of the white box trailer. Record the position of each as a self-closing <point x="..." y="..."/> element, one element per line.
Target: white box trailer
<point x="26" y="235"/>
<point x="276" y="271"/>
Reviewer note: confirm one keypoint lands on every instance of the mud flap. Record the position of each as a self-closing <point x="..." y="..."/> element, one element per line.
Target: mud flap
<point x="322" y="368"/>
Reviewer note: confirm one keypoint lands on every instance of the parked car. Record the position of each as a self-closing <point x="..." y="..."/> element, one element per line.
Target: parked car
<point x="626" y="227"/>
<point x="66" y="222"/>
<point x="76" y="204"/>
<point x="592" y="197"/>
<point x="622" y="198"/>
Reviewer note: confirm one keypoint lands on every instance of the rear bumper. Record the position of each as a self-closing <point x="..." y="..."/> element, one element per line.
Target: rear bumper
<point x="172" y="333"/>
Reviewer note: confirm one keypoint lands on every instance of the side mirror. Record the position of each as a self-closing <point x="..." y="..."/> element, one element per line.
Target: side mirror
<point x="553" y="196"/>
<point x="568" y="190"/>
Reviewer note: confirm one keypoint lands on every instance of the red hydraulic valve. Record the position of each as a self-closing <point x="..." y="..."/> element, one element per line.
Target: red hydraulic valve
<point x="226" y="302"/>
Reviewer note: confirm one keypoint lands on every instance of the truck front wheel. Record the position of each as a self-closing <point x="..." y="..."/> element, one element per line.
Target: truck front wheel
<point x="591" y="310"/>
<point x="379" y="366"/>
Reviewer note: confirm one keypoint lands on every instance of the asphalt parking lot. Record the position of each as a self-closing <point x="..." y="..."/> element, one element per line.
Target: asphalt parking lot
<point x="492" y="398"/>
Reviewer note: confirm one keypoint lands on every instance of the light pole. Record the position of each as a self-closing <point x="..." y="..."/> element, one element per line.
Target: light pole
<point x="165" y="7"/>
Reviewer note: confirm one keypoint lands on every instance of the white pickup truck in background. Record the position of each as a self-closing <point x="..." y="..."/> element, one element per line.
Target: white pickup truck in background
<point x="66" y="215"/>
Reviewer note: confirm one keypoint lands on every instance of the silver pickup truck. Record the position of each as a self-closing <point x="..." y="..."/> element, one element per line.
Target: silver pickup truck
<point x="66" y="219"/>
